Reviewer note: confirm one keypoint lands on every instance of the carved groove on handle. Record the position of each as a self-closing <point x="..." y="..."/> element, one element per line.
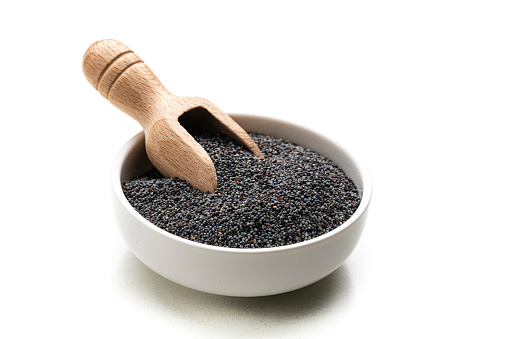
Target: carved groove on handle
<point x="114" y="69"/>
<point x="119" y="74"/>
<point x="109" y="65"/>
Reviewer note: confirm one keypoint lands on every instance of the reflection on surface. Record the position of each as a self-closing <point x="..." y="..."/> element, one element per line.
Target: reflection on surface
<point x="270" y="314"/>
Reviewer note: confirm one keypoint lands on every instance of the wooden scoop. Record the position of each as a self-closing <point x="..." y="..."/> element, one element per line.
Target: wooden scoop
<point x="122" y="78"/>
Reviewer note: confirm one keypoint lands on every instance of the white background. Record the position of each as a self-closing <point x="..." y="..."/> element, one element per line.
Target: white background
<point x="419" y="89"/>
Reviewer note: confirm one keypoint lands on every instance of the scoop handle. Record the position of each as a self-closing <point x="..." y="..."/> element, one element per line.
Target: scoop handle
<point x="123" y="78"/>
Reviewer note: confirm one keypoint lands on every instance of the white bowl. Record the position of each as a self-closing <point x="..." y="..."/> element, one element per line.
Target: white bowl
<point x="241" y="272"/>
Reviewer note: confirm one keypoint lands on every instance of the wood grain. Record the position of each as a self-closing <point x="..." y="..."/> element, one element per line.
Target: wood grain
<point x="127" y="82"/>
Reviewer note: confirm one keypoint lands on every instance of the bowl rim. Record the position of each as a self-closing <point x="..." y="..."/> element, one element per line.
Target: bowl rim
<point x="365" y="200"/>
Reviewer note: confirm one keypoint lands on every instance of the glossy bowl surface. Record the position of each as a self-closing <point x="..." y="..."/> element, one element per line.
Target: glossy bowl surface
<point x="241" y="272"/>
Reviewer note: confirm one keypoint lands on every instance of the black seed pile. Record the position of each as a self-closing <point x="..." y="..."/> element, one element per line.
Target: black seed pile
<point x="290" y="196"/>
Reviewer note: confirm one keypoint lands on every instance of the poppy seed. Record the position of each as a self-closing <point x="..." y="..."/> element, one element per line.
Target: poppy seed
<point x="292" y="195"/>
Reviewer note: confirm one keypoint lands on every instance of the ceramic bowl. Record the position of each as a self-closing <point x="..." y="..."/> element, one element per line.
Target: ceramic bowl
<point x="241" y="272"/>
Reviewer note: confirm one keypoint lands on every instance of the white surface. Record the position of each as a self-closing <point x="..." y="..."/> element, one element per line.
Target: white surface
<point x="418" y="89"/>
<point x="232" y="271"/>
